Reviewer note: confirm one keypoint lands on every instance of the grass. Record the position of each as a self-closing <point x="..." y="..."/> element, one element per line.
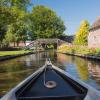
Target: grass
<point x="9" y="53"/>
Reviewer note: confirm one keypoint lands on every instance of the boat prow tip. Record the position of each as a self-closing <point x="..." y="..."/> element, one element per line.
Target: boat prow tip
<point x="48" y="61"/>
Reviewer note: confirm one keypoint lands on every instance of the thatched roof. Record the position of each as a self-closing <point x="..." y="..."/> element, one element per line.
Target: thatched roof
<point x="96" y="25"/>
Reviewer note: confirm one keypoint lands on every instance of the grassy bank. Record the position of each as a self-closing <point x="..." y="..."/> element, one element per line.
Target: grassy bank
<point x="83" y="50"/>
<point x="10" y="53"/>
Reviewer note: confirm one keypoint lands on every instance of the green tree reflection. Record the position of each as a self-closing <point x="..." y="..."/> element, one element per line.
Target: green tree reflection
<point x="82" y="69"/>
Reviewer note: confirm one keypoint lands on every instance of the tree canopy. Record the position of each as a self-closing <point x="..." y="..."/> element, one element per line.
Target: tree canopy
<point x="13" y="20"/>
<point x="82" y="33"/>
<point x="17" y="24"/>
<point x="21" y="4"/>
<point x="46" y="23"/>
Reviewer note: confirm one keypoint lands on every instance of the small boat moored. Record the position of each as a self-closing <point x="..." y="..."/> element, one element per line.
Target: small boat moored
<point x="48" y="83"/>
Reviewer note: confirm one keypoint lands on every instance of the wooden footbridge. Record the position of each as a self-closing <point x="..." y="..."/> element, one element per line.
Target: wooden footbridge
<point x="43" y="42"/>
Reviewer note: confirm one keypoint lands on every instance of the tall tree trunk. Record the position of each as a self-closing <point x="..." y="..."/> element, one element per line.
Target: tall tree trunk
<point x="24" y="42"/>
<point x="17" y="44"/>
<point x="14" y="43"/>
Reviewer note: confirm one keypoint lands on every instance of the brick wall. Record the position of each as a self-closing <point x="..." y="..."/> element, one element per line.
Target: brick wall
<point x="94" y="39"/>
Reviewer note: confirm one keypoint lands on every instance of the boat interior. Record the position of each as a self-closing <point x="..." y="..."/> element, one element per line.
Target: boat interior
<point x="51" y="84"/>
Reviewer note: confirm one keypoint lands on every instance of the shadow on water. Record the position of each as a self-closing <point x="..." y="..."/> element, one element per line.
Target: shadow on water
<point x="15" y="70"/>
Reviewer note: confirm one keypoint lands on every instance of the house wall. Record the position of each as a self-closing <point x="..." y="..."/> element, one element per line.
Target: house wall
<point x="94" y="39"/>
<point x="21" y="44"/>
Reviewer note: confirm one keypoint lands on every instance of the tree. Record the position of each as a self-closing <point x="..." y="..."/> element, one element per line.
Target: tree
<point x="82" y="34"/>
<point x="21" y="4"/>
<point x="17" y="31"/>
<point x="45" y="23"/>
<point x="13" y="20"/>
<point x="5" y="19"/>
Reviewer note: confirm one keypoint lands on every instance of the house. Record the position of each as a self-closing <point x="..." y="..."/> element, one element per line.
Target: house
<point x="94" y="35"/>
<point x="20" y="44"/>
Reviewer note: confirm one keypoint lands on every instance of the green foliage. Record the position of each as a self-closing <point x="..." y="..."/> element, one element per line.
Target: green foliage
<point x="17" y="31"/>
<point x="80" y="50"/>
<point x="17" y="24"/>
<point x="82" y="34"/>
<point x="5" y="19"/>
<point x="46" y="23"/>
<point x="21" y="4"/>
<point x="98" y="51"/>
<point x="13" y="21"/>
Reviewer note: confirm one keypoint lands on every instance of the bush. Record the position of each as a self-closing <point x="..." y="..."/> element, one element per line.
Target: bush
<point x="97" y="51"/>
<point x="76" y="49"/>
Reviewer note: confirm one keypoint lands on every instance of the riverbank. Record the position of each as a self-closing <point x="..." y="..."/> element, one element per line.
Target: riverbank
<point x="5" y="55"/>
<point x="82" y="56"/>
<point x="80" y="51"/>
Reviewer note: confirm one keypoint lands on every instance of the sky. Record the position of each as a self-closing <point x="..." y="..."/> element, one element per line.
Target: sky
<point x="72" y="12"/>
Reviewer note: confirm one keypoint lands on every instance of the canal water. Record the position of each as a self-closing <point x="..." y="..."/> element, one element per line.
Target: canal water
<point x="13" y="71"/>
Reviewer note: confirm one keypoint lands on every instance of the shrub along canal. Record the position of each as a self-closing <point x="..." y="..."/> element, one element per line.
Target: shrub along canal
<point x="15" y="70"/>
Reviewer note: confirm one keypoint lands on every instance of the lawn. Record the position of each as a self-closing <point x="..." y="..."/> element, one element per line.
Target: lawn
<point x="7" y="53"/>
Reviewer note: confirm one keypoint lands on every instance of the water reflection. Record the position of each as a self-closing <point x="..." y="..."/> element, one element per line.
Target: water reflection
<point x="85" y="70"/>
<point x="75" y="66"/>
<point x="82" y="69"/>
<point x="15" y="70"/>
<point x="94" y="70"/>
